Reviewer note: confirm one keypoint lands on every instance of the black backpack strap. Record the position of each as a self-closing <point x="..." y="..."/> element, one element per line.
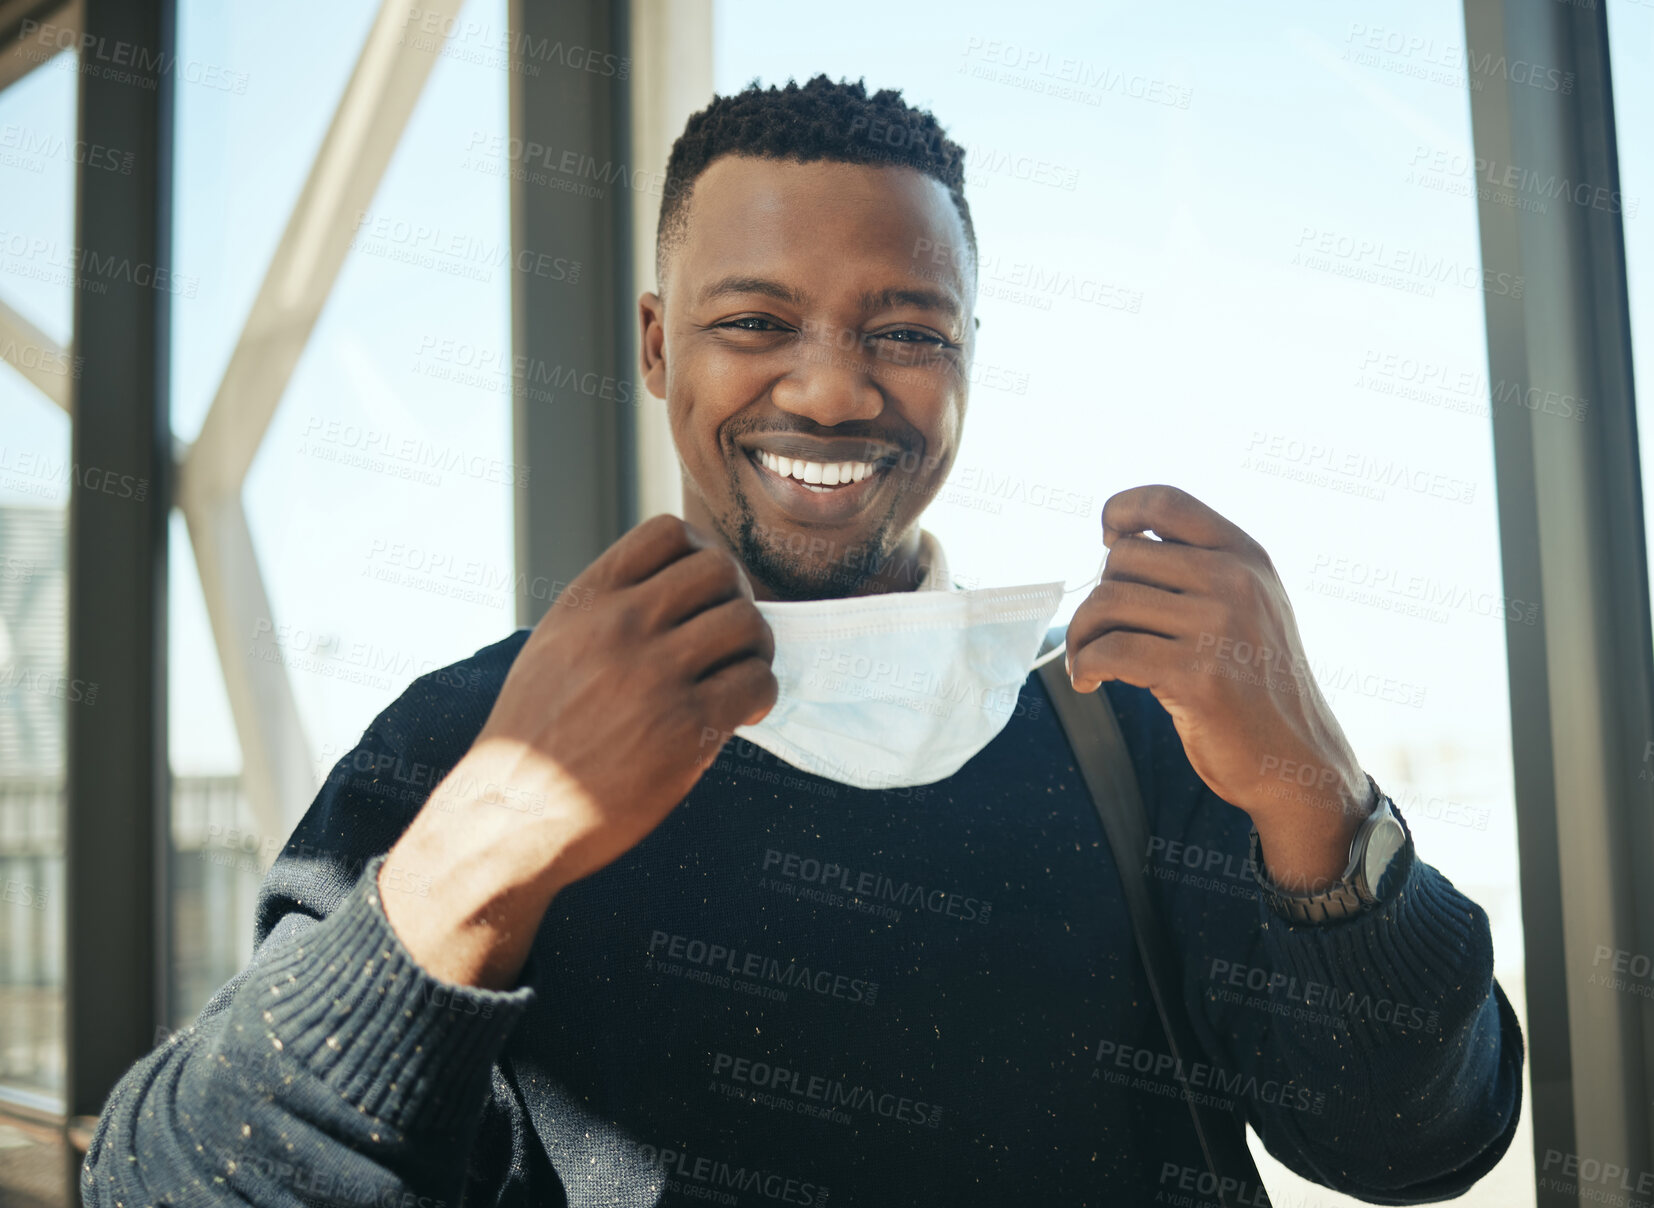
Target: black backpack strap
<point x="1105" y="764"/>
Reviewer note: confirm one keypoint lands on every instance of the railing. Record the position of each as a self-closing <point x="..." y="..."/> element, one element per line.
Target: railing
<point x="213" y="886"/>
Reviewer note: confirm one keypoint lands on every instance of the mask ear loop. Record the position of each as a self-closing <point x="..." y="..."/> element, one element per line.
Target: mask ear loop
<point x="1087" y="585"/>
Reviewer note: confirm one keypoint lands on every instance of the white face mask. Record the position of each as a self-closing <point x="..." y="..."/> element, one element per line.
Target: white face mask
<point x="899" y="689"/>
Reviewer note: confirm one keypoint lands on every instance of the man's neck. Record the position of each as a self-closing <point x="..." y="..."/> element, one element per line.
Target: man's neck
<point x="905" y="568"/>
<point x="902" y="570"/>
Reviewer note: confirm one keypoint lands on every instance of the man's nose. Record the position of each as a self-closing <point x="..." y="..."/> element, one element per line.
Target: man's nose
<point x="831" y="383"/>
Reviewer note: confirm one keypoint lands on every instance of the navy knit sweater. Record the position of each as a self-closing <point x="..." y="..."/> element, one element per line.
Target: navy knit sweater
<point x="797" y="992"/>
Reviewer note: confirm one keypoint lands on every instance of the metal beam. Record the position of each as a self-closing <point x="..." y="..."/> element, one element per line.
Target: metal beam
<point x="578" y="440"/>
<point x="277" y="775"/>
<point x="1570" y="519"/>
<point x="115" y="830"/>
<point x="31" y="32"/>
<point x="36" y="356"/>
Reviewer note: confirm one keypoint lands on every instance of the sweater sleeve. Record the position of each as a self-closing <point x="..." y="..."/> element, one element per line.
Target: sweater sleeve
<point x="333" y="1068"/>
<point x="1376" y="1055"/>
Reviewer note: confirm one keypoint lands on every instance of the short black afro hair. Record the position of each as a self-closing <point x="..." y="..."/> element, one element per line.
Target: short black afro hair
<point x="819" y="120"/>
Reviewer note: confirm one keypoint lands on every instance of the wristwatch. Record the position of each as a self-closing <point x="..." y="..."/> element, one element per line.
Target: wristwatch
<point x="1382" y="847"/>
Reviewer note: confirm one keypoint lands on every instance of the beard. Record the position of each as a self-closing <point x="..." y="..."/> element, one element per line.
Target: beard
<point x="793" y="565"/>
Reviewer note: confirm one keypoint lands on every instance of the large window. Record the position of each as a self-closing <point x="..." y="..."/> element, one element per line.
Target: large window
<point x="376" y="540"/>
<point x="1238" y="254"/>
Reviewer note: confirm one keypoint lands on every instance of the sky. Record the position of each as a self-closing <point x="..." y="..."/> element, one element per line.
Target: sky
<point x="1232" y="248"/>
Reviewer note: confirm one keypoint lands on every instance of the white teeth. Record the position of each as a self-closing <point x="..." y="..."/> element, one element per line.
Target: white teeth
<point x="816" y="473"/>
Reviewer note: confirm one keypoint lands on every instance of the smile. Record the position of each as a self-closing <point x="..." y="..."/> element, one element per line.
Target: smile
<point x="833" y="490"/>
<point x="820" y="476"/>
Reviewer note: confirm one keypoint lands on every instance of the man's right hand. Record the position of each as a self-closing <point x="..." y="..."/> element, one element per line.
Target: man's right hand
<point x="600" y="729"/>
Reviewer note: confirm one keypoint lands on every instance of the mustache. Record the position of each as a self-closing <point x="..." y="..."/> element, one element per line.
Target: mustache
<point x="882" y="442"/>
<point x="851" y="430"/>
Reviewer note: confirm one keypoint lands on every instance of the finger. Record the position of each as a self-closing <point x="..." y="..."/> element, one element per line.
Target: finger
<point x="723" y="634"/>
<point x="738" y="693"/>
<point x="1172" y="514"/>
<point x="1141" y="659"/>
<point x="1163" y="564"/>
<point x="1115" y="604"/>
<point x="644" y="550"/>
<point x="693" y="584"/>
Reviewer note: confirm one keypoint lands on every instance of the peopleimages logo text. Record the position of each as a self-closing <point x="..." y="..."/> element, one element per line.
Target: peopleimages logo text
<point x="714" y="1174"/>
<point x="755" y="965"/>
<point x="831" y="1092"/>
<point x="876" y="886"/>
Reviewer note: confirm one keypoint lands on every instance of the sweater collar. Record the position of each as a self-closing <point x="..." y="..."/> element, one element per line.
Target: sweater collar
<point x="933" y="564"/>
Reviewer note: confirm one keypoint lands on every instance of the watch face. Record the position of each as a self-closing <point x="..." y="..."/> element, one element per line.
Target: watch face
<point x="1387" y="838"/>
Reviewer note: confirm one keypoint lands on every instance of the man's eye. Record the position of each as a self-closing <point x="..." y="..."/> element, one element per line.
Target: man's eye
<point x="908" y="335"/>
<point x="751" y="323"/>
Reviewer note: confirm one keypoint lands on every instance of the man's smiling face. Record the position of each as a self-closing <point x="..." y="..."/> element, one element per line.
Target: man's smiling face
<point x="813" y="350"/>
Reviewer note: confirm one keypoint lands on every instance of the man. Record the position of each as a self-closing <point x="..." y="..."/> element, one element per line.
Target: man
<point x="612" y="958"/>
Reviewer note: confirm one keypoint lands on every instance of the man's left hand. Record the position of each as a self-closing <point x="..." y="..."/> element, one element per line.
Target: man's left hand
<point x="1201" y="620"/>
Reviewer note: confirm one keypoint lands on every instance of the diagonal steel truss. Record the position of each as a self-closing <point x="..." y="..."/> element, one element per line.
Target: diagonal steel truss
<point x="18" y="337"/>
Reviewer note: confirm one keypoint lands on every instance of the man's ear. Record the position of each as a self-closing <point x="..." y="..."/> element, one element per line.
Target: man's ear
<point x="651" y="315"/>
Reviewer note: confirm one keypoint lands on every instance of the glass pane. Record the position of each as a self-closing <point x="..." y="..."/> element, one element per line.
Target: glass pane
<point x="1630" y="47"/>
<point x="38" y="157"/>
<point x="381" y="500"/>
<point x="243" y="153"/>
<point x="1631" y="51"/>
<point x="242" y="157"/>
<point x="1237" y="254"/>
<point x="378" y="488"/>
<point x="38" y="152"/>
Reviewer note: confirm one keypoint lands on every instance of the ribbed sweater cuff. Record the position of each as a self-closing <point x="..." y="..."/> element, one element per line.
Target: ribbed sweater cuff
<point x="347" y="1004"/>
<point x="1418" y="964"/>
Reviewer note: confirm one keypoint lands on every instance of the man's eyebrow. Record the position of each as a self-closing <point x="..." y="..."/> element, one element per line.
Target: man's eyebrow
<point x="882" y="299"/>
<point x="752" y="285"/>
<point x="924" y="298"/>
